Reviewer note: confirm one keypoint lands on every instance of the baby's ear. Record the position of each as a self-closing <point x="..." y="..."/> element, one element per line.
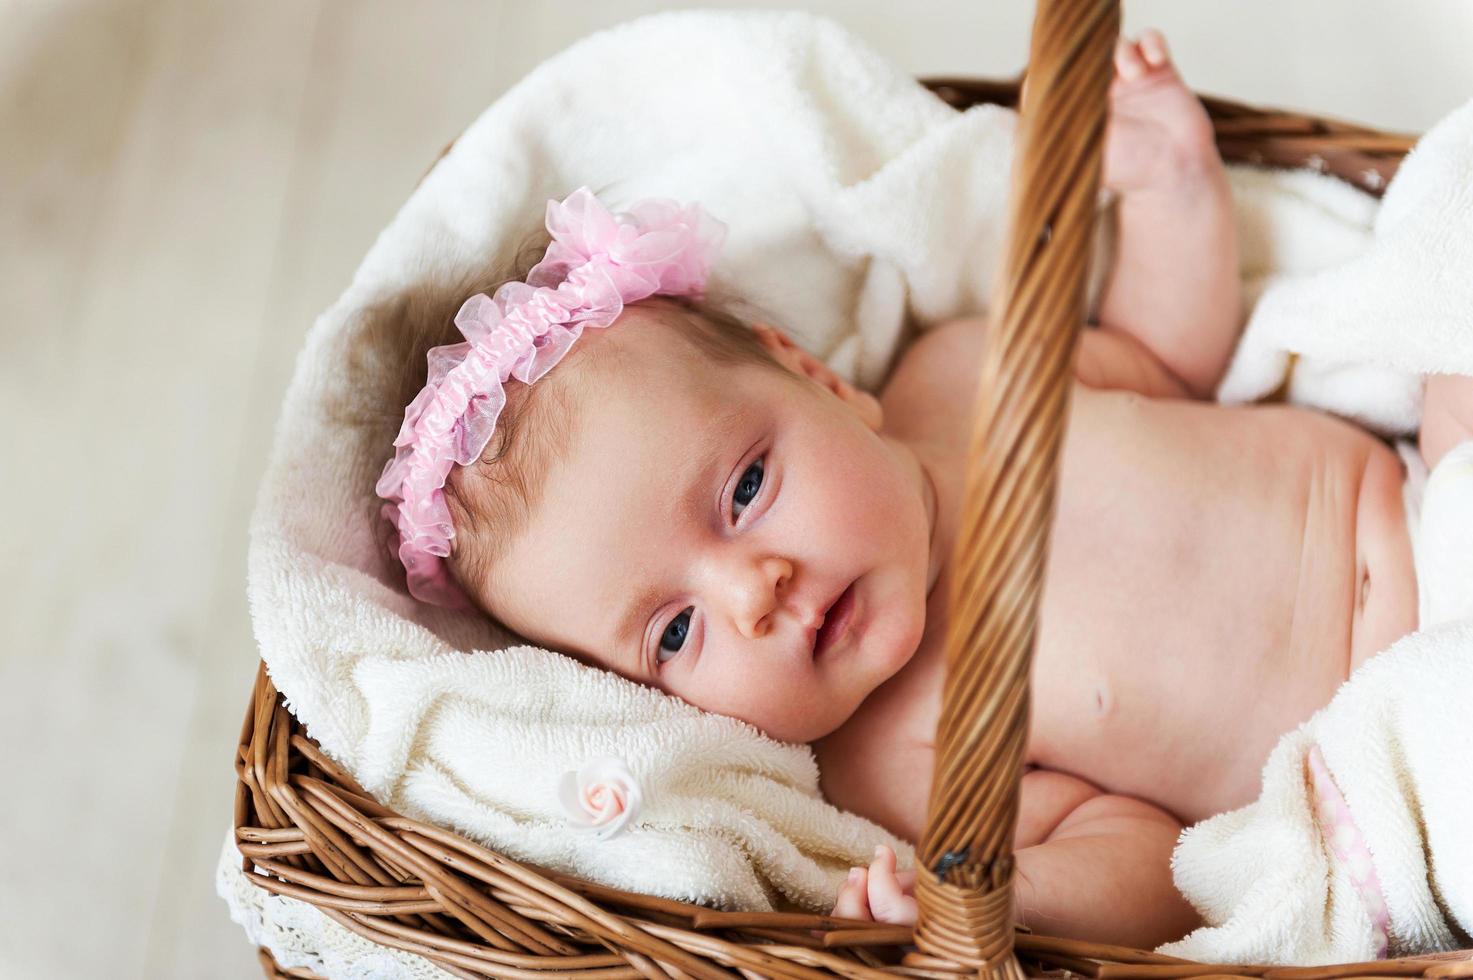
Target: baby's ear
<point x="802" y="363"/>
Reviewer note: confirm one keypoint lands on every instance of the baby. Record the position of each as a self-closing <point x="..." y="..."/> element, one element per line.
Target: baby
<point x="704" y="507"/>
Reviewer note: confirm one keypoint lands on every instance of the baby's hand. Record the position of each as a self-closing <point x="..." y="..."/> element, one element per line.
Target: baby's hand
<point x="879" y="894"/>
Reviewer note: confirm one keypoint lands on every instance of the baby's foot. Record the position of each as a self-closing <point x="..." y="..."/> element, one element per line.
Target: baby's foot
<point x="1158" y="136"/>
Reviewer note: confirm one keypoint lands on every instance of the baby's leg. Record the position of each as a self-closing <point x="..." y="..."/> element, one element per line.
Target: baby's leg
<point x="1174" y="285"/>
<point x="1447" y="415"/>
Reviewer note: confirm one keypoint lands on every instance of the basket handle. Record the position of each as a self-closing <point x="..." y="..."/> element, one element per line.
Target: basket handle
<point x="964" y="863"/>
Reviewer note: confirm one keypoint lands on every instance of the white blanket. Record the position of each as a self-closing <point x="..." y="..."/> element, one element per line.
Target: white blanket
<point x="1398" y="736"/>
<point x="1368" y="329"/>
<point x="1396" y="740"/>
<point x="859" y="206"/>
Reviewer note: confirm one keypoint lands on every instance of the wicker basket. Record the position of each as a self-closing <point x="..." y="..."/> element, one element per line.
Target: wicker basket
<point x="309" y="832"/>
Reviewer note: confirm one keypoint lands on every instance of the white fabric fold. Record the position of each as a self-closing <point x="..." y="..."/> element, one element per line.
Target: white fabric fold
<point x="1396" y="738"/>
<point x="1371" y="322"/>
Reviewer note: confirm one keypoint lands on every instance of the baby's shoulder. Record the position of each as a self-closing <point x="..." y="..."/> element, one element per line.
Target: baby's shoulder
<point x="949" y="350"/>
<point x="871" y="767"/>
<point x="935" y="380"/>
<point x="932" y="385"/>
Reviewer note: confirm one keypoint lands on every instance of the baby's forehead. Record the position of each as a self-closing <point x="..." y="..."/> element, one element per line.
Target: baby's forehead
<point x="646" y="453"/>
<point x="643" y="360"/>
<point x="649" y="407"/>
<point x="647" y="328"/>
<point x="648" y="395"/>
<point x="638" y="402"/>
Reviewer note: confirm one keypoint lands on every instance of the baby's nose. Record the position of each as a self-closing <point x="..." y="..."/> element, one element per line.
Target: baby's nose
<point x="760" y="595"/>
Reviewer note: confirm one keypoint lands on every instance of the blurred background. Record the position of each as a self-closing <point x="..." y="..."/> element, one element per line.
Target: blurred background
<point x="184" y="184"/>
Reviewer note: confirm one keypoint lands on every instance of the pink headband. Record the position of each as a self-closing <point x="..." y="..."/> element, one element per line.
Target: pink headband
<point x="596" y="263"/>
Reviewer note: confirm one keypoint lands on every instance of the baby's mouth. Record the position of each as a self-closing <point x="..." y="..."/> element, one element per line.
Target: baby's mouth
<point x="836" y="620"/>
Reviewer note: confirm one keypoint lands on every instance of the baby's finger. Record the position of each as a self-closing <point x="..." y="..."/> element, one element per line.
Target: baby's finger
<point x="887" y="899"/>
<point x="853" y="900"/>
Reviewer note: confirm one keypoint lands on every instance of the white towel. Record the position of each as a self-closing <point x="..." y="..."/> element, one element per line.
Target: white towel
<point x="1368" y="328"/>
<point x="1397" y="737"/>
<point x="856" y="201"/>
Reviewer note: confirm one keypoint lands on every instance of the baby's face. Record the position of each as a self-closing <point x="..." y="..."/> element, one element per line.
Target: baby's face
<point x="704" y="520"/>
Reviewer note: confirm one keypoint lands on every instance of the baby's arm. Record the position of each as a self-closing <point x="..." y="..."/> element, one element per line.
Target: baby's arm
<point x="1104" y="874"/>
<point x="1089" y="865"/>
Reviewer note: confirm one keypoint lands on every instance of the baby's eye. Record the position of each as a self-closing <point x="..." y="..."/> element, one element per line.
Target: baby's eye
<point x="747" y="489"/>
<point x="674" y="636"/>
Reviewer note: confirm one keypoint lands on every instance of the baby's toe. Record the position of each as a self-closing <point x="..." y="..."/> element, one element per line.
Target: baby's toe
<point x="1152" y="46"/>
<point x="1129" y="64"/>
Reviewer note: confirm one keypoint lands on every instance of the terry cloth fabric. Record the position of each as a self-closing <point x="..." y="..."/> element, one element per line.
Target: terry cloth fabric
<point x="1365" y="330"/>
<point x="1395" y="738"/>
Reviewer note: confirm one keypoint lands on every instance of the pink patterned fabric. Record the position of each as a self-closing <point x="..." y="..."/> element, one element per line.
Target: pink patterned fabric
<point x="1347" y="844"/>
<point x="597" y="262"/>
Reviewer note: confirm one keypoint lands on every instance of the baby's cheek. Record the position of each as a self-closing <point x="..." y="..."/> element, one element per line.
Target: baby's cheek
<point x="797" y="708"/>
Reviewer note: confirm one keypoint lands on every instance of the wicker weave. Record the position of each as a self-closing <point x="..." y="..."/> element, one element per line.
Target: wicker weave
<point x="309" y="832"/>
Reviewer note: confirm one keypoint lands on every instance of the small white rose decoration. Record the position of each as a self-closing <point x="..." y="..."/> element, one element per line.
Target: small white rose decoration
<point x="601" y="797"/>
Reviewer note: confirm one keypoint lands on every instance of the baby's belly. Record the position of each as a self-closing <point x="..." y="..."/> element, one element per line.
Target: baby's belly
<point x="1214" y="575"/>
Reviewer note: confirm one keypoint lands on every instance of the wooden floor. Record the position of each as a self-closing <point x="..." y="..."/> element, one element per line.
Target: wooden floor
<point x="183" y="185"/>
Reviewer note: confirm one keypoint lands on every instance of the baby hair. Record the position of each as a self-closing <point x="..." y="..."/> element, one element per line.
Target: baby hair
<point x="491" y="500"/>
